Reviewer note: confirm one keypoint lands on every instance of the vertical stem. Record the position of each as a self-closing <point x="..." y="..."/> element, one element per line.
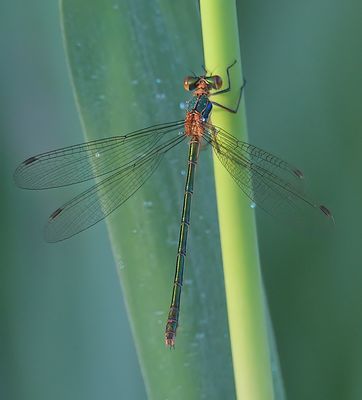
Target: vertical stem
<point x="243" y="283"/>
<point x="173" y="315"/>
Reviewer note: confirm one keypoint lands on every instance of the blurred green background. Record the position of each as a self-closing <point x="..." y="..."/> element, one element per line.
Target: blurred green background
<point x="63" y="326"/>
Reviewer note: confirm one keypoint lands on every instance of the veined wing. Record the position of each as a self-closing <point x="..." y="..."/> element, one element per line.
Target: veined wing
<point x="262" y="158"/>
<point x="96" y="203"/>
<point x="268" y="181"/>
<point x="84" y="161"/>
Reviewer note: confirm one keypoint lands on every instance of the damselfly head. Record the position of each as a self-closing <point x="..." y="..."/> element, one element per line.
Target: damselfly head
<point x="192" y="83"/>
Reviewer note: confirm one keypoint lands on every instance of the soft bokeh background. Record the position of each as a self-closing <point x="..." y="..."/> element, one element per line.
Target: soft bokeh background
<point x="63" y="327"/>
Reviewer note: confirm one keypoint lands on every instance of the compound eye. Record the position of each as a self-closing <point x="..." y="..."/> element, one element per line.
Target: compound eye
<point x="190" y="83"/>
<point x="216" y="82"/>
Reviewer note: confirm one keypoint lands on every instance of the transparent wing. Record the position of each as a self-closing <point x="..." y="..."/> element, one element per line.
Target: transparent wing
<point x="84" y="161"/>
<point x="96" y="203"/>
<point x="262" y="158"/>
<point x="268" y="181"/>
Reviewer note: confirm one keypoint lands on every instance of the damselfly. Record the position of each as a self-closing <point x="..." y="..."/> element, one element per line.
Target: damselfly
<point x="126" y="162"/>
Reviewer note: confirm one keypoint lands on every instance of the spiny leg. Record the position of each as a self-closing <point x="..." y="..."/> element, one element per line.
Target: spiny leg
<point x="232" y="110"/>
<point x="229" y="84"/>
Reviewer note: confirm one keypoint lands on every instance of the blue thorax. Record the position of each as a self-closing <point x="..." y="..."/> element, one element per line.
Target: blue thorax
<point x="201" y="104"/>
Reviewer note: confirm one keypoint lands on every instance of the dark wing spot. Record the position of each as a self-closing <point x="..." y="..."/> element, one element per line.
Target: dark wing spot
<point x="327" y="212"/>
<point x="55" y="213"/>
<point x="30" y="160"/>
<point x="298" y="173"/>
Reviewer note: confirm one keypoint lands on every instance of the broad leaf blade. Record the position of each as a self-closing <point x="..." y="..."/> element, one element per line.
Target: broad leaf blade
<point x="127" y="61"/>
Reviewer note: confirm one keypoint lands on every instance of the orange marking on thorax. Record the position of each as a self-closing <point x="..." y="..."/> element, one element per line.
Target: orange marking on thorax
<point x="194" y="124"/>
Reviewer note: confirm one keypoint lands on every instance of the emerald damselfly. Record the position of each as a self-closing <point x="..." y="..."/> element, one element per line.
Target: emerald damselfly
<point x="122" y="164"/>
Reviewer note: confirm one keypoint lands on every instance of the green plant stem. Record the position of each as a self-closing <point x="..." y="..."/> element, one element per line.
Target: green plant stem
<point x="243" y="283"/>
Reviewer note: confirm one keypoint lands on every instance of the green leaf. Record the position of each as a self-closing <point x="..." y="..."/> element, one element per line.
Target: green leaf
<point x="127" y="61"/>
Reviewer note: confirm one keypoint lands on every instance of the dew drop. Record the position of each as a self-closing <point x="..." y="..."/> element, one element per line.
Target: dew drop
<point x="147" y="204"/>
<point x="160" y="96"/>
